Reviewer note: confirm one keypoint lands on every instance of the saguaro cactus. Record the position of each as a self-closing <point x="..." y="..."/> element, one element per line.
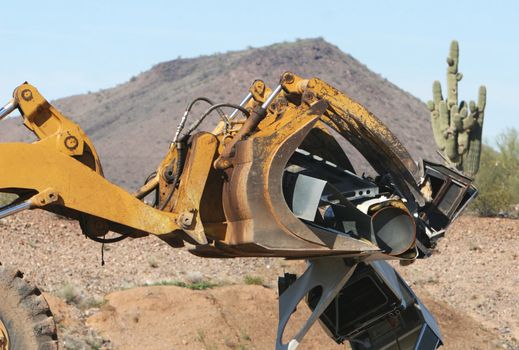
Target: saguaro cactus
<point x="457" y="127"/>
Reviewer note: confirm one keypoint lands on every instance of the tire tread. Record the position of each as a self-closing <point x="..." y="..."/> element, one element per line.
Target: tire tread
<point x="34" y="305"/>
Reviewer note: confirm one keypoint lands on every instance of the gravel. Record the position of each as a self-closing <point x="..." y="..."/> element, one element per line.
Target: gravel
<point x="474" y="269"/>
<point x="53" y="253"/>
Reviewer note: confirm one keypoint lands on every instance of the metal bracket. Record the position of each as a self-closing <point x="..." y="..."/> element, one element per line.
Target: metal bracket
<point x="39" y="200"/>
<point x="328" y="273"/>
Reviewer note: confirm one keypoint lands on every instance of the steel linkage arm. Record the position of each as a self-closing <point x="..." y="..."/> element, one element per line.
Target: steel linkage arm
<point x="65" y="159"/>
<point x="53" y="128"/>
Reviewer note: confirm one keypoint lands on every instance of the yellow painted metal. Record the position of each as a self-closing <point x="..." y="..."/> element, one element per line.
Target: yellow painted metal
<point x="147" y="188"/>
<point x="4" y="337"/>
<point x="363" y="130"/>
<point x="44" y="198"/>
<point x="53" y="128"/>
<point x="187" y="199"/>
<point x="259" y="92"/>
<point x="66" y="160"/>
<point x="358" y="120"/>
<point x="37" y="167"/>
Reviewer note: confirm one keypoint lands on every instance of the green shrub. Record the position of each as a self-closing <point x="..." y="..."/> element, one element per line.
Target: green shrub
<point x="253" y="280"/>
<point x="498" y="180"/>
<point x="6" y="198"/>
<point x="200" y="285"/>
<point x="71" y="293"/>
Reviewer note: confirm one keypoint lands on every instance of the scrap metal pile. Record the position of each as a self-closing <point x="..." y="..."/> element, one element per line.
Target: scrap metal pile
<point x="272" y="180"/>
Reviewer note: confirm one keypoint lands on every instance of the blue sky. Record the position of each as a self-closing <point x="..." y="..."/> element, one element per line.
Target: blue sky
<point x="67" y="48"/>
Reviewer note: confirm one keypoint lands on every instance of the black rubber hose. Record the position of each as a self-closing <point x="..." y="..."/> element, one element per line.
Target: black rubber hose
<point x="182" y="142"/>
<point x="183" y="120"/>
<point x="106" y="240"/>
<point x="209" y="110"/>
<point x="176" y="176"/>
<point x="148" y="179"/>
<point x="84" y="229"/>
<point x="205" y="99"/>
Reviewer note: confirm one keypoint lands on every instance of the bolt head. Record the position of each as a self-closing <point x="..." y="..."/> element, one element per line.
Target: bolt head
<point x="288" y="78"/>
<point x="71" y="142"/>
<point x="27" y="95"/>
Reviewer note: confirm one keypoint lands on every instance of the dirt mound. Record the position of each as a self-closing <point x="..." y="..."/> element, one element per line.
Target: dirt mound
<point x="233" y="317"/>
<point x="158" y="318"/>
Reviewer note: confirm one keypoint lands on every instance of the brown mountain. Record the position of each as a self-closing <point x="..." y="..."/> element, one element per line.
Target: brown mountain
<point x="131" y="124"/>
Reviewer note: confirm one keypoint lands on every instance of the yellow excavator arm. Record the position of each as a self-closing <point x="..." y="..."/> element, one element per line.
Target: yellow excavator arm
<point x="214" y="188"/>
<point x="65" y="161"/>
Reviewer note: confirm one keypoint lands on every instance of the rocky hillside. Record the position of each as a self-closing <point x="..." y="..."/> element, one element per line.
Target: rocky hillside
<point x="131" y="124"/>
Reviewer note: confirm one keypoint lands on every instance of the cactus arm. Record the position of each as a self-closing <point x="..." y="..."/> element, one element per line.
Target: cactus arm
<point x="453" y="77"/>
<point x="482" y="100"/>
<point x="457" y="131"/>
<point x="438" y="121"/>
<point x="437" y="92"/>
<point x="451" y="142"/>
<point x="474" y="150"/>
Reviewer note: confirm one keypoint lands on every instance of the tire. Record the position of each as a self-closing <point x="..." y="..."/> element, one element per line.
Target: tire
<point x="24" y="314"/>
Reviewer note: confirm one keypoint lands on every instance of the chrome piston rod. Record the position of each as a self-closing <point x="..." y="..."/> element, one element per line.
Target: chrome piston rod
<point x="242" y="104"/>
<point x="271" y="97"/>
<point x="265" y="105"/>
<point x="8" y="108"/>
<point x="15" y="209"/>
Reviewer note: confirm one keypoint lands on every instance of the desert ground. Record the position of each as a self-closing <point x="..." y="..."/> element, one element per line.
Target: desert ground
<point x="151" y="296"/>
